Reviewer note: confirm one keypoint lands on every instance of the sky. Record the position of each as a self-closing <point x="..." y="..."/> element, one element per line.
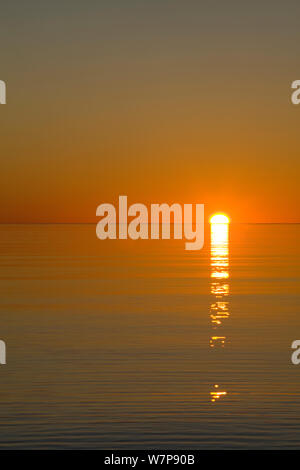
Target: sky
<point x="159" y="100"/>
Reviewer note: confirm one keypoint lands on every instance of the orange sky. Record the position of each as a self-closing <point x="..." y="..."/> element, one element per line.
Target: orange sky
<point x="160" y="102"/>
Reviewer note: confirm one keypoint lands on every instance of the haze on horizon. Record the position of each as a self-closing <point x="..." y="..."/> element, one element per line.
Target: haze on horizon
<point x="163" y="101"/>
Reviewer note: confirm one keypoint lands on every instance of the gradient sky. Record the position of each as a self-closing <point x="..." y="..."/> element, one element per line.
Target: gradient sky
<point x="162" y="100"/>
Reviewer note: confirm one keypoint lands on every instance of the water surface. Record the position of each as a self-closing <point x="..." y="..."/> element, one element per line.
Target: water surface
<point x="141" y="344"/>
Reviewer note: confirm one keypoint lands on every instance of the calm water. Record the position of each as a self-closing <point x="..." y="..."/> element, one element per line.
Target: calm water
<point x="124" y="344"/>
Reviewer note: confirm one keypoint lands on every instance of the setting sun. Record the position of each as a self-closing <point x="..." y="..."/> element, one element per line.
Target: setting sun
<point x="219" y="219"/>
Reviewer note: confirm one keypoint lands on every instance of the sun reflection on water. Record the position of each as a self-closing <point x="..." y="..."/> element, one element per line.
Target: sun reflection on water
<point x="219" y="287"/>
<point x="216" y="393"/>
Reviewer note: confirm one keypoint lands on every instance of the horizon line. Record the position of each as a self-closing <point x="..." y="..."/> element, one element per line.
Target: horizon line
<point x="117" y="223"/>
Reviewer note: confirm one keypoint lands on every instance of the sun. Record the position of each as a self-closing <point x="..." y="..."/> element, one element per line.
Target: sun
<point x="219" y="219"/>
